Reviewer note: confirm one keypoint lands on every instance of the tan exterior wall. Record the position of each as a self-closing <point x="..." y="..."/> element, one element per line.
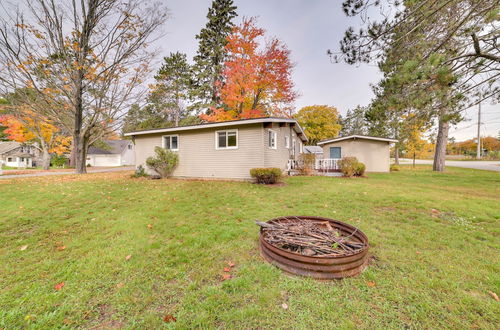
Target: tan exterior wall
<point x="278" y="157"/>
<point x="374" y="154"/>
<point x="199" y="158"/>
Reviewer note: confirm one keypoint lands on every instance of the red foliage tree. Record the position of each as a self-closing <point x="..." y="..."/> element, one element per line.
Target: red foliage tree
<point x="257" y="77"/>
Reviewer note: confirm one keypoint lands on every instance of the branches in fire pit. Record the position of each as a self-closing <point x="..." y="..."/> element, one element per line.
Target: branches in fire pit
<point x="309" y="238"/>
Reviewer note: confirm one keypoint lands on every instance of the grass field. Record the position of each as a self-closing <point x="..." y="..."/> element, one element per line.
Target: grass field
<point x="136" y="253"/>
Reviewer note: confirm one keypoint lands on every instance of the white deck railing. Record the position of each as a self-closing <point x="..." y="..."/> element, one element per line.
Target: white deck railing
<point x="323" y="165"/>
<point x="327" y="164"/>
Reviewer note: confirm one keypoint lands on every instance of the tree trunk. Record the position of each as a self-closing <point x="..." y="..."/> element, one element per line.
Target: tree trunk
<point x="45" y="158"/>
<point x="414" y="156"/>
<point x="441" y="142"/>
<point x="396" y="148"/>
<point x="80" y="154"/>
<point x="72" y="155"/>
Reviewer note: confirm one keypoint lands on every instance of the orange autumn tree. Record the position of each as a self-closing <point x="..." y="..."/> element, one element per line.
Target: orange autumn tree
<point x="256" y="78"/>
<point x="28" y="127"/>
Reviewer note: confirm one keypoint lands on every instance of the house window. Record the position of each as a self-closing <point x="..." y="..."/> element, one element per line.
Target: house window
<point x="271" y="139"/>
<point x="130" y="146"/>
<point x="287" y="142"/>
<point x="335" y="152"/>
<point x="9" y="159"/>
<point x="226" y="139"/>
<point x="294" y="144"/>
<point x="171" y="142"/>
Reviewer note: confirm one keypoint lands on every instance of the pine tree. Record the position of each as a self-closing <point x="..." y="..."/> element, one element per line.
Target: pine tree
<point x="354" y="122"/>
<point x="212" y="54"/>
<point x="170" y="92"/>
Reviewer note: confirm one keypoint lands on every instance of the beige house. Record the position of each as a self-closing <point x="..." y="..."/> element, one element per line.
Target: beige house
<point x="224" y="150"/>
<point x="372" y="151"/>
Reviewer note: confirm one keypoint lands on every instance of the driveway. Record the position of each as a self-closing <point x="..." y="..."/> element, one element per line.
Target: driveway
<point x="55" y="172"/>
<point x="475" y="164"/>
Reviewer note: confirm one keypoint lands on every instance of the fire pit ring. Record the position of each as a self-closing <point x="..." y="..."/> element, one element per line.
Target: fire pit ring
<point x="319" y="267"/>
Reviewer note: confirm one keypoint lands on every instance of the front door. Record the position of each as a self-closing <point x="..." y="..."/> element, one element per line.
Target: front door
<point x="335" y="152"/>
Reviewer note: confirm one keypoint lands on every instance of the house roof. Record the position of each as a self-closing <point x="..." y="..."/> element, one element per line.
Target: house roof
<point x="115" y="147"/>
<point x="297" y="127"/>
<point x="354" y="137"/>
<point x="21" y="154"/>
<point x="313" y="150"/>
<point x="8" y="146"/>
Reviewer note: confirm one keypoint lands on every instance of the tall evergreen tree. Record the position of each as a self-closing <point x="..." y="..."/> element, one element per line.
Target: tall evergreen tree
<point x="354" y="122"/>
<point x="170" y="93"/>
<point x="211" y="54"/>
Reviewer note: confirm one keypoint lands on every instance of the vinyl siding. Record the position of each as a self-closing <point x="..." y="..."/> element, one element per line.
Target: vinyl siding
<point x="374" y="154"/>
<point x="278" y="157"/>
<point x="198" y="157"/>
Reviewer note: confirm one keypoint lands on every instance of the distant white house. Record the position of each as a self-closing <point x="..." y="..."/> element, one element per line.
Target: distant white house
<point x="15" y="154"/>
<point x="117" y="153"/>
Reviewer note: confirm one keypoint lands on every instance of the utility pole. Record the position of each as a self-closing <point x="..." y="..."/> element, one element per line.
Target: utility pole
<point x="478" y="150"/>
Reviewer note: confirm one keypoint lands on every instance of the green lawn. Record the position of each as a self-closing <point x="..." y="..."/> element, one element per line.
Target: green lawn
<point x="433" y="269"/>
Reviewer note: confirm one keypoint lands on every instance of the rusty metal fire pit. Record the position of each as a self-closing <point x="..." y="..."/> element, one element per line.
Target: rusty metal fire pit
<point x="323" y="267"/>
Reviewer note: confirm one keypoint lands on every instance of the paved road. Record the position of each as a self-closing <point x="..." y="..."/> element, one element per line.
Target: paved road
<point x="99" y="170"/>
<point x="478" y="165"/>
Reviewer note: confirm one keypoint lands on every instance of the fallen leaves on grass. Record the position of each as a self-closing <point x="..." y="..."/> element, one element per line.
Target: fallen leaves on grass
<point x="60" y="248"/>
<point x="227" y="269"/>
<point x="230" y="264"/>
<point x="494" y="295"/>
<point x="59" y="286"/>
<point x="120" y="285"/>
<point x="24" y="247"/>
<point x="371" y="284"/>
<point x="128" y="257"/>
<point x="169" y="318"/>
<point x="226" y="277"/>
<point x="284" y="306"/>
<point x="150" y="226"/>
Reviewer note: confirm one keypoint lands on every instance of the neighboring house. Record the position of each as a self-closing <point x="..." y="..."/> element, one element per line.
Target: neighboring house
<point x="316" y="150"/>
<point x="372" y="151"/>
<point x="118" y="153"/>
<point x="15" y="154"/>
<point x="224" y="150"/>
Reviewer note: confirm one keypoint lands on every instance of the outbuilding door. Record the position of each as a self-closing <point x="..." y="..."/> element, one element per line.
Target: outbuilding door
<point x="335" y="152"/>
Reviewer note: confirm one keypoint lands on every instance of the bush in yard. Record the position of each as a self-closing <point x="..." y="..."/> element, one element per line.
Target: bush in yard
<point x="351" y="166"/>
<point x="140" y="172"/>
<point x="306" y="164"/>
<point x="164" y="163"/>
<point x="268" y="175"/>
<point x="394" y="168"/>
<point x="360" y="169"/>
<point x="59" y="161"/>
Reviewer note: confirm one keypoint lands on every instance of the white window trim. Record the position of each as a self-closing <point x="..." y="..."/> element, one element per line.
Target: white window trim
<point x="275" y="139"/>
<point x="170" y="135"/>
<point x="301" y="147"/>
<point x="287" y="142"/>
<point x="226" y="147"/>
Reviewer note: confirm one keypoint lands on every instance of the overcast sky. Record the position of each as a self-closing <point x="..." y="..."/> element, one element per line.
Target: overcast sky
<point x="309" y="28"/>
